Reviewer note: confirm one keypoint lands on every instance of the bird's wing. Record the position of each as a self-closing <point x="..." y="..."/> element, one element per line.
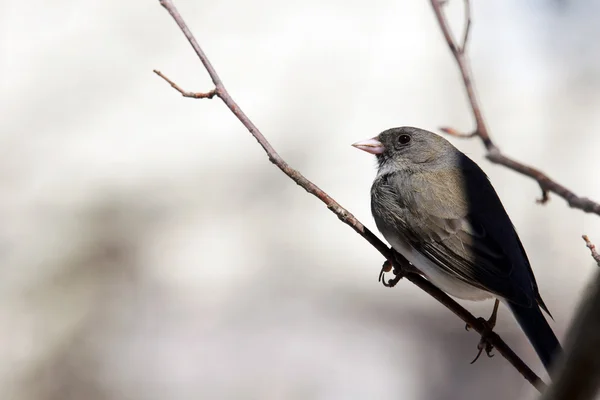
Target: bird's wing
<point x="469" y="236"/>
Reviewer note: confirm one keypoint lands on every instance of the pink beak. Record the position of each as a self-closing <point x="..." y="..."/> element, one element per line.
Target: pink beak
<point x="372" y="146"/>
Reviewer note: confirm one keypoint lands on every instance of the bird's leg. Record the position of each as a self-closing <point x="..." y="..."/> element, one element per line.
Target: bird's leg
<point x="400" y="268"/>
<point x="489" y="326"/>
<point x="491" y="322"/>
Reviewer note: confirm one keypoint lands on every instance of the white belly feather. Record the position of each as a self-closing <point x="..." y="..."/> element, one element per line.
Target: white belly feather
<point x="439" y="278"/>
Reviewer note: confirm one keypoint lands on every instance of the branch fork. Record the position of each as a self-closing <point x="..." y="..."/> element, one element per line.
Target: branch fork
<point x="494" y="154"/>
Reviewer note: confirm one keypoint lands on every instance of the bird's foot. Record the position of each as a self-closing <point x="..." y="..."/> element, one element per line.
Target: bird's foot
<point x="489" y="325"/>
<point x="484" y="344"/>
<point x="387" y="267"/>
<point x="400" y="267"/>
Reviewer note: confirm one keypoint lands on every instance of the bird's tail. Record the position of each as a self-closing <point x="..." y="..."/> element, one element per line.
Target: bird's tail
<point x="538" y="331"/>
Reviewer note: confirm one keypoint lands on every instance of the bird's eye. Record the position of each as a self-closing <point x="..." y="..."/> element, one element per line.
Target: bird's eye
<point x="404" y="139"/>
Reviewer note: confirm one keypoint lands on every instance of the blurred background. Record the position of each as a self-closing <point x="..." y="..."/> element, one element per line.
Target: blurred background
<point x="149" y="250"/>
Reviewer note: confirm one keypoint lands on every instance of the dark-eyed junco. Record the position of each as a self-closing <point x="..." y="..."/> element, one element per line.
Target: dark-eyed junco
<point x="437" y="208"/>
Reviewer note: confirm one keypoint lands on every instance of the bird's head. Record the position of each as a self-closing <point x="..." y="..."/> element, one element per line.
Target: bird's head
<point x="408" y="147"/>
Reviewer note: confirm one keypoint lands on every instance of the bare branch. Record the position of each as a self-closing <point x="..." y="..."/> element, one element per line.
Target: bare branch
<point x="467" y="30"/>
<point x="402" y="266"/>
<point x="494" y="154"/>
<point x="455" y="133"/>
<point x="481" y="129"/>
<point x="545" y="196"/>
<point x="592" y="248"/>
<point x="578" y="373"/>
<point x="195" y="95"/>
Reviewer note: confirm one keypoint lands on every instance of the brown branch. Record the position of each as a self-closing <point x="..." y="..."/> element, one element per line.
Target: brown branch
<point x="578" y="374"/>
<point x="194" y="95"/>
<point x="493" y="152"/>
<point x="454" y="132"/>
<point x="467" y="26"/>
<point x="402" y="266"/>
<point x="592" y="248"/>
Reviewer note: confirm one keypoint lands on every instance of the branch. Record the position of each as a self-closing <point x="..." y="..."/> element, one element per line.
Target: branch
<point x="592" y="248"/>
<point x="494" y="154"/>
<point x="401" y="266"/>
<point x="578" y="376"/>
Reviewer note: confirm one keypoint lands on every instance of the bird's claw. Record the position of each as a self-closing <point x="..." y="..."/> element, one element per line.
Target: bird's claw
<point x="484" y="342"/>
<point x="387" y="267"/>
<point x="400" y="266"/>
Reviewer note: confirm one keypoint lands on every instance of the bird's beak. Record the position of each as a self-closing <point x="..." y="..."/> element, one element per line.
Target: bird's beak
<point x="372" y="146"/>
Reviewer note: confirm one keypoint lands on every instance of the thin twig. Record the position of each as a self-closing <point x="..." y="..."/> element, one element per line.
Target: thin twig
<point x="592" y="248"/>
<point x="467" y="6"/>
<point x="194" y="95"/>
<point x="454" y="132"/>
<point x="344" y="215"/>
<point x="493" y="152"/>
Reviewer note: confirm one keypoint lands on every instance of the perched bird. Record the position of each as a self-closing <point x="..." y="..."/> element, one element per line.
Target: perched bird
<point x="438" y="209"/>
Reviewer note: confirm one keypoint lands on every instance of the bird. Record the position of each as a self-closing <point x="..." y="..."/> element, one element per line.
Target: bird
<point x="436" y="207"/>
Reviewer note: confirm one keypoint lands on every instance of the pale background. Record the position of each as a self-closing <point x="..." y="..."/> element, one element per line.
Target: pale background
<point x="149" y="250"/>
